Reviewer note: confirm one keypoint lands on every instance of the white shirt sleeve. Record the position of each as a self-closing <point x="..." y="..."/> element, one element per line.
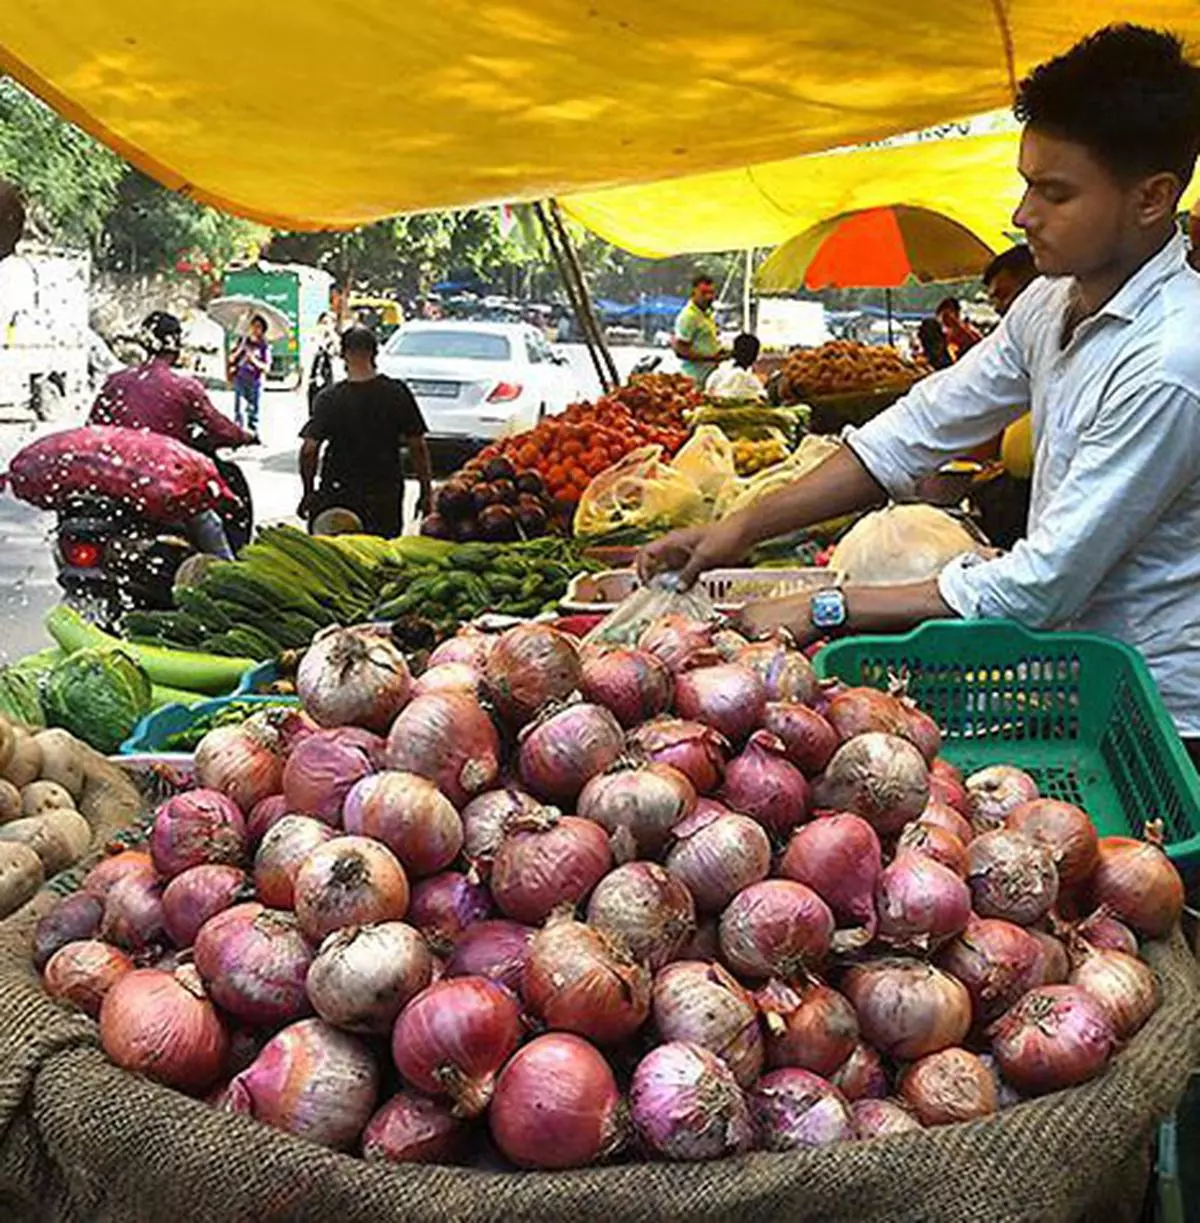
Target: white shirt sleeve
<point x="1130" y="464"/>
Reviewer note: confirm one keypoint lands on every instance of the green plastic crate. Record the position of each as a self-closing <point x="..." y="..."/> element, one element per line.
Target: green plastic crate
<point x="1078" y="712"/>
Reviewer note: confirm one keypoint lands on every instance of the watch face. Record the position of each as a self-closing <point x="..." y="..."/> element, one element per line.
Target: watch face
<point x="828" y="609"/>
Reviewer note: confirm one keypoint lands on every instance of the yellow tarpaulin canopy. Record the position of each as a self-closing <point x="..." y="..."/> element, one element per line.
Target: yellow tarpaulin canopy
<point x="326" y="113"/>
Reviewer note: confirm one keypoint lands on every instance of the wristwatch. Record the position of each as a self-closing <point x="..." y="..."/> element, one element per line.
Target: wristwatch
<point x="827" y="609"/>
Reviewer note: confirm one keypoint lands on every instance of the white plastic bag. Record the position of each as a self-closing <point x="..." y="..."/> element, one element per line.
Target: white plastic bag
<point x="903" y="543"/>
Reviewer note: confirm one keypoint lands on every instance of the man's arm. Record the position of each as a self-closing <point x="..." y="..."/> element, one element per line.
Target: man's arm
<point x="211" y="425"/>
<point x="310" y="456"/>
<point x="419" y="449"/>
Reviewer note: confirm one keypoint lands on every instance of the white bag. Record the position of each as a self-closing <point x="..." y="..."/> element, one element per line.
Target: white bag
<point x="903" y="543"/>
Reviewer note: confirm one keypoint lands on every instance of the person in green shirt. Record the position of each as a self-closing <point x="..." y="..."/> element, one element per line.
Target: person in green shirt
<point x="695" y="342"/>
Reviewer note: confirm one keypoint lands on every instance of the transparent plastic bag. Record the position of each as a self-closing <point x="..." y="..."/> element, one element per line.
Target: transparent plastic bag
<point x="738" y="494"/>
<point x="627" y="621"/>
<point x="707" y="460"/>
<point x="640" y="490"/>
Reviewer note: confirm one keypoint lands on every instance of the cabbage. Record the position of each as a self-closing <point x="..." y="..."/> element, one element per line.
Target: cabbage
<point x="19" y="699"/>
<point x="99" y="695"/>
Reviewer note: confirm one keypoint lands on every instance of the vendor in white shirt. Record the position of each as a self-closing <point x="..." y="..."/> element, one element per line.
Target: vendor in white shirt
<point x="735" y="379"/>
<point x="1105" y="349"/>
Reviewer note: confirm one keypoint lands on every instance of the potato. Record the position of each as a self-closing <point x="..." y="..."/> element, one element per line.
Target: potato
<point x="10" y="802"/>
<point x="62" y="760"/>
<point x="59" y="838"/>
<point x="8" y="742"/>
<point x="21" y="875"/>
<point x="39" y="797"/>
<point x="26" y="763"/>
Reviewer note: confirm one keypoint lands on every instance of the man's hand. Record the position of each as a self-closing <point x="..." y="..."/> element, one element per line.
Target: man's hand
<point x="425" y="502"/>
<point x="693" y="550"/>
<point x="307" y="506"/>
<point x="768" y="616"/>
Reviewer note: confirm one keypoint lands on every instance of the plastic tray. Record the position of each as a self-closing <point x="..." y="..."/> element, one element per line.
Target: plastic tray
<point x="1078" y="712"/>
<point x="255" y="677"/>
<point x="729" y="589"/>
<point x="158" y="726"/>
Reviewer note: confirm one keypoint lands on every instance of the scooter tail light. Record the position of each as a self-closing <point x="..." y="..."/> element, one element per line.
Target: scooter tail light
<point x="505" y="392"/>
<point x="81" y="553"/>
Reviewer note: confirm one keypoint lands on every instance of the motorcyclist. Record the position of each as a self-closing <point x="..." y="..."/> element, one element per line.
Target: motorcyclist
<point x="154" y="396"/>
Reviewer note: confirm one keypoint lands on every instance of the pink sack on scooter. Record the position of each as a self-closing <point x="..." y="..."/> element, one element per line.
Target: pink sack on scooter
<point x="164" y="479"/>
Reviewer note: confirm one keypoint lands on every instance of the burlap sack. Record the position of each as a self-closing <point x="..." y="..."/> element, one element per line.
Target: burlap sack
<point x="82" y="1142"/>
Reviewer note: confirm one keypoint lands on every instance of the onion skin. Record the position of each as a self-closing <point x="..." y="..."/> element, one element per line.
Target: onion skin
<point x="253" y="962"/>
<point x="675" y="639"/>
<point x="1054" y="965"/>
<point x="411" y="1129"/>
<point x="1139" y="885"/>
<point x="99" y="881"/>
<point x="529" y="666"/>
<point x="199" y="893"/>
<point x="717" y="855"/>
<point x="1123" y="985"/>
<point x="351" y="881"/>
<point x="494" y="949"/>
<point x="908" y="1009"/>
<point x="880" y="777"/>
<point x="162" y="1025"/>
<point x="703" y="1004"/>
<point x="282" y="854"/>
<point x="993" y="792"/>
<point x="448" y="738"/>
<point x="1011" y="877"/>
<point x="936" y="843"/>
<point x="861" y="1076"/>
<point x="998" y="963"/>
<point x="245" y="763"/>
<point x="948" y="1087"/>
<point x="453" y="1037"/>
<point x="484" y="819"/>
<point x="921" y="903"/>
<point x="686" y="1104"/>
<point x="548" y="861"/>
<point x="879" y="1118"/>
<point x="133" y="913"/>
<point x="323" y="768"/>
<point x="949" y="819"/>
<point x="696" y="750"/>
<point x="808" y="738"/>
<point x="638" y="805"/>
<point x="947" y="787"/>
<point x="859" y="711"/>
<point x="196" y="827"/>
<point x="923" y="732"/>
<point x="728" y="697"/>
<point x="448" y="677"/>
<point x="310" y="1080"/>
<point x="775" y="928"/>
<point x="647" y="909"/>
<point x="559" y="755"/>
<point x="1057" y="1036"/>
<point x="445" y="905"/>
<point x="786" y="674"/>
<point x="795" y="1109"/>
<point x="633" y="685"/>
<point x="1065" y="830"/>
<point x="410" y="816"/>
<point x="354" y="676"/>
<point x="762" y="784"/>
<point x="83" y="972"/>
<point x="74" y="918"/>
<point x="556" y="1105"/>
<point x="264" y="815"/>
<point x="1104" y="931"/>
<point x="808" y="1028"/>
<point x="576" y="979"/>
<point x="469" y="646"/>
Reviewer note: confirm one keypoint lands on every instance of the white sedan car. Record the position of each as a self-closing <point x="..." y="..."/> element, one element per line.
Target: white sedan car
<point x="478" y="381"/>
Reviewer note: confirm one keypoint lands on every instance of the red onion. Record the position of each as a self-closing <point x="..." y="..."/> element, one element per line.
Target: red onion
<point x="839" y="857"/>
<point x="879" y="1118"/>
<point x="686" y="1104"/>
<point x="286" y="725"/>
<point x="1137" y="882"/>
<point x="323" y="768"/>
<point x="775" y="928"/>
<point x="410" y="816"/>
<point x="310" y="1080"/>
<point x="920" y="903"/>
<point x="100" y="879"/>
<point x="264" y="815"/>
<point x="448" y="677"/>
<point x="484" y="819"/>
<point x="494" y="949"/>
<point x="577" y="979"/>
<point x="717" y="855"/>
<point x="1105" y="931"/>
<point x="941" y="767"/>
<point x="993" y="792"/>
<point x="908" y="1009"/>
<point x="948" y="791"/>
<point x="675" y="638"/>
<point x="548" y="860"/>
<point x="923" y="731"/>
<point x="1057" y="1036"/>
<point x="704" y="1005"/>
<point x="728" y="697"/>
<point x="727" y="642"/>
<point x="861" y="1076"/>
<point x="827" y="691"/>
<point x="880" y="777"/>
<point x="638" y="805"/>
<point x="1053" y="966"/>
<point x="73" y="918"/>
<point x="860" y="711"/>
<point x="453" y="1037"/>
<point x="796" y="1109"/>
<point x="998" y="963"/>
<point x="354" y="677"/>
<point x="364" y="976"/>
<point x="1006" y="1095"/>
<point x="948" y="1087"/>
<point x="245" y="763"/>
<point x="936" y="843"/>
<point x="561" y="753"/>
<point x="162" y="1025"/>
<point x="696" y="750"/>
<point x="351" y="881"/>
<point x="281" y="855"/>
<point x="198" y="894"/>
<point x="556" y="1105"/>
<point x="705" y="943"/>
<point x="470" y="646"/>
<point x="1011" y="877"/>
<point x="941" y="815"/>
<point x="811" y="1027"/>
<point x="254" y="962"/>
<point x="808" y="739"/>
<point x="83" y="972"/>
<point x="529" y="666"/>
<point x="632" y="684"/>
<point x="762" y="784"/>
<point x="444" y="905"/>
<point x="133" y="913"/>
<point x="786" y="674"/>
<point x="646" y="909"/>
<point x="1123" y="985"/>
<point x="411" y="1129"/>
<point x="1065" y="831"/>
<point x="448" y="738"/>
<point x="195" y="827"/>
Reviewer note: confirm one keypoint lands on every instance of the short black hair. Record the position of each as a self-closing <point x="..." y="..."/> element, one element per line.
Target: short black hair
<point x="1128" y="94"/>
<point x="702" y="278"/>
<point x="262" y="322"/>
<point x="949" y="303"/>
<point x="746" y="349"/>
<point x="162" y="333"/>
<point x="360" y="340"/>
<point x="1018" y="260"/>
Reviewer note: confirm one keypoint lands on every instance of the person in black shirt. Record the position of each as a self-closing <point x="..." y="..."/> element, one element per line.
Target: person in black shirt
<point x="361" y="425"/>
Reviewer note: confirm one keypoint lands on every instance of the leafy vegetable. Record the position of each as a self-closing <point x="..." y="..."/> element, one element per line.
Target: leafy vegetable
<point x="99" y="695"/>
<point x="19" y="697"/>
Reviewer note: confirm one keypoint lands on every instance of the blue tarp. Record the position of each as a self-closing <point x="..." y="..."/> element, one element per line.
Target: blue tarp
<point x="647" y="306"/>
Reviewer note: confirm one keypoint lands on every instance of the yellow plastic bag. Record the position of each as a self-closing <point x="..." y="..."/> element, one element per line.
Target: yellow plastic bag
<point x="707" y="460"/>
<point x="640" y="490"/>
<point x="812" y="451"/>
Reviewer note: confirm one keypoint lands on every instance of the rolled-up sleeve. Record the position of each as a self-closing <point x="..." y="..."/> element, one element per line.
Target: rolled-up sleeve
<point x="1131" y="463"/>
